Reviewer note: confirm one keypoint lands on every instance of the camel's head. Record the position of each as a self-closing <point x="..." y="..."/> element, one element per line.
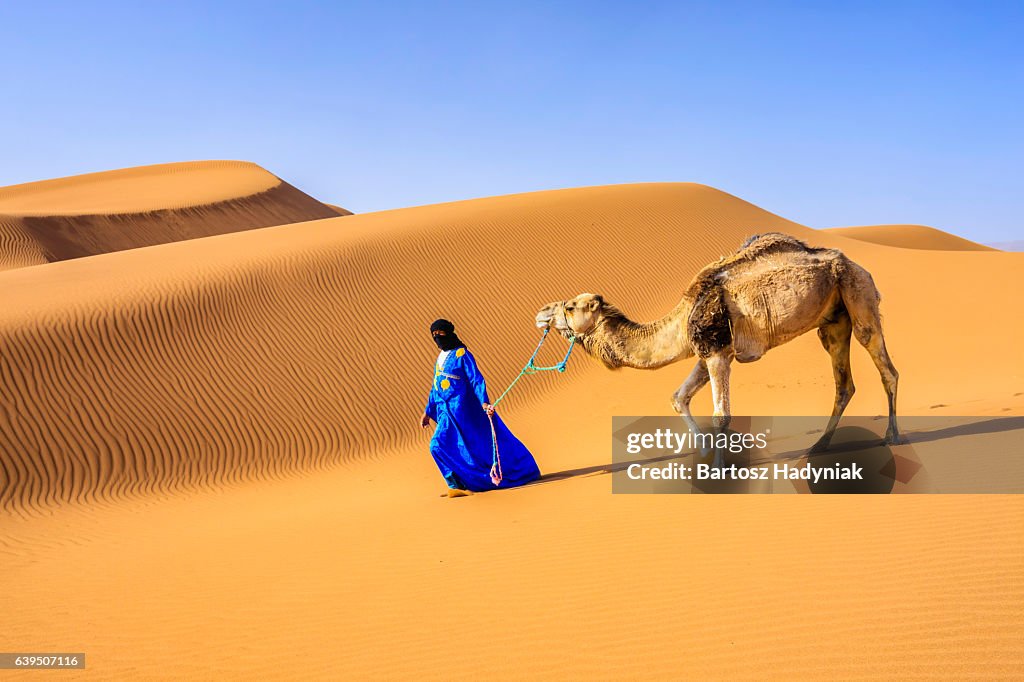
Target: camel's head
<point x="576" y="317"/>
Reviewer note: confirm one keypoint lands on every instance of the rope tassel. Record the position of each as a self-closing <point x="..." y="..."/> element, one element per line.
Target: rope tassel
<point x="496" y="474"/>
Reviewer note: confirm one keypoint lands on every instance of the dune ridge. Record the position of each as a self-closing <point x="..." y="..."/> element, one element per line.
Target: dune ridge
<point x="262" y="352"/>
<point x="96" y="213"/>
<point x="910" y="237"/>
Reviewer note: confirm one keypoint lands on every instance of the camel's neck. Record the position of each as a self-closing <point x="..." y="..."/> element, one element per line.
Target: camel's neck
<point x="620" y="342"/>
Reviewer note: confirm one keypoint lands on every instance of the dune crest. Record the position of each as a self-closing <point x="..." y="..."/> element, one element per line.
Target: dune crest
<point x="96" y="213"/>
<point x="910" y="237"/>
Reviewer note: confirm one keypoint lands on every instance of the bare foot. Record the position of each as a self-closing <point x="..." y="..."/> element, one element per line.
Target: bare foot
<point x="458" y="492"/>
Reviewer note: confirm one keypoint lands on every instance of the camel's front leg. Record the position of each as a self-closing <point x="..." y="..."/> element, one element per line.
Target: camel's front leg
<point x="718" y="369"/>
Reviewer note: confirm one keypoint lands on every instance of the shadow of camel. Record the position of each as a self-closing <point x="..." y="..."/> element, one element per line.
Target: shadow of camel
<point x="994" y="425"/>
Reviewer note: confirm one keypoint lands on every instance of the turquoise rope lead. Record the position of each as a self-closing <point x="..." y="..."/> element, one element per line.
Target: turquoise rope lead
<point x="529" y="368"/>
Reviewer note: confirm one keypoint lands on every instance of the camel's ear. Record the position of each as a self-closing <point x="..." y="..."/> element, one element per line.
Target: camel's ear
<point x="596" y="302"/>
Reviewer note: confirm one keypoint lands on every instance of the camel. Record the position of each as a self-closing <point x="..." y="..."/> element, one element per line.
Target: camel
<point x="774" y="289"/>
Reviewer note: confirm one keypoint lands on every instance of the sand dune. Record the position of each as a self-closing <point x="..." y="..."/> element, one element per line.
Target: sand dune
<point x="85" y="215"/>
<point x="294" y="346"/>
<point x="910" y="237"/>
<point x="265" y="351"/>
<point x="219" y="434"/>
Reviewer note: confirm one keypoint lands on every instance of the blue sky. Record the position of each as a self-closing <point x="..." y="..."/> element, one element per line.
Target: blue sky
<point x="826" y="113"/>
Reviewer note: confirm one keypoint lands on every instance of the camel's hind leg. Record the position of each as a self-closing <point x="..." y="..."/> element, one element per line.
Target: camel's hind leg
<point x="718" y="368"/>
<point x="835" y="337"/>
<point x="861" y="299"/>
<point x="697" y="380"/>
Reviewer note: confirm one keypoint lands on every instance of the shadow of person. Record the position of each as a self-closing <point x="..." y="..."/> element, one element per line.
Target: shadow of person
<point x="598" y="469"/>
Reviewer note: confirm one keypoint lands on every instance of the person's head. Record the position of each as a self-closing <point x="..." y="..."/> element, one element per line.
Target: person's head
<point x="443" y="333"/>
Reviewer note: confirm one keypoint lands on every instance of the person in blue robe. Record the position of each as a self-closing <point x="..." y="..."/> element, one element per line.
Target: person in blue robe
<point x="462" y="445"/>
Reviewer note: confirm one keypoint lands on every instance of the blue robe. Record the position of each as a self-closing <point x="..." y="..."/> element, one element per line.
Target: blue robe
<point x="462" y="445"/>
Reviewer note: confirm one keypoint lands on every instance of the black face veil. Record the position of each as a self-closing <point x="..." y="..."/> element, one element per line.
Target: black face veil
<point x="450" y="340"/>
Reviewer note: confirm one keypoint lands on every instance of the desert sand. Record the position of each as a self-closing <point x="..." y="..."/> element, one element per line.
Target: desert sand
<point x="212" y="465"/>
<point x="84" y="215"/>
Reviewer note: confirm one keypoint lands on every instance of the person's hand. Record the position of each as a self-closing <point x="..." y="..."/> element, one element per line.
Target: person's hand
<point x="488" y="408"/>
<point x="425" y="421"/>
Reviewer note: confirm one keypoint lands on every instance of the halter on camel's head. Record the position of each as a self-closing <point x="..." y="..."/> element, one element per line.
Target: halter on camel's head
<point x="566" y="329"/>
<point x="590" y="307"/>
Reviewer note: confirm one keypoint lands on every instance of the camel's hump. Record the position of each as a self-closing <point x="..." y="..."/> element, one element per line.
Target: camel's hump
<point x="773" y="242"/>
<point x="755" y="247"/>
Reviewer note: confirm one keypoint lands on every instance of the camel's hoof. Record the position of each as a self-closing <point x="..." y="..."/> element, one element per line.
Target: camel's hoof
<point x="897" y="439"/>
